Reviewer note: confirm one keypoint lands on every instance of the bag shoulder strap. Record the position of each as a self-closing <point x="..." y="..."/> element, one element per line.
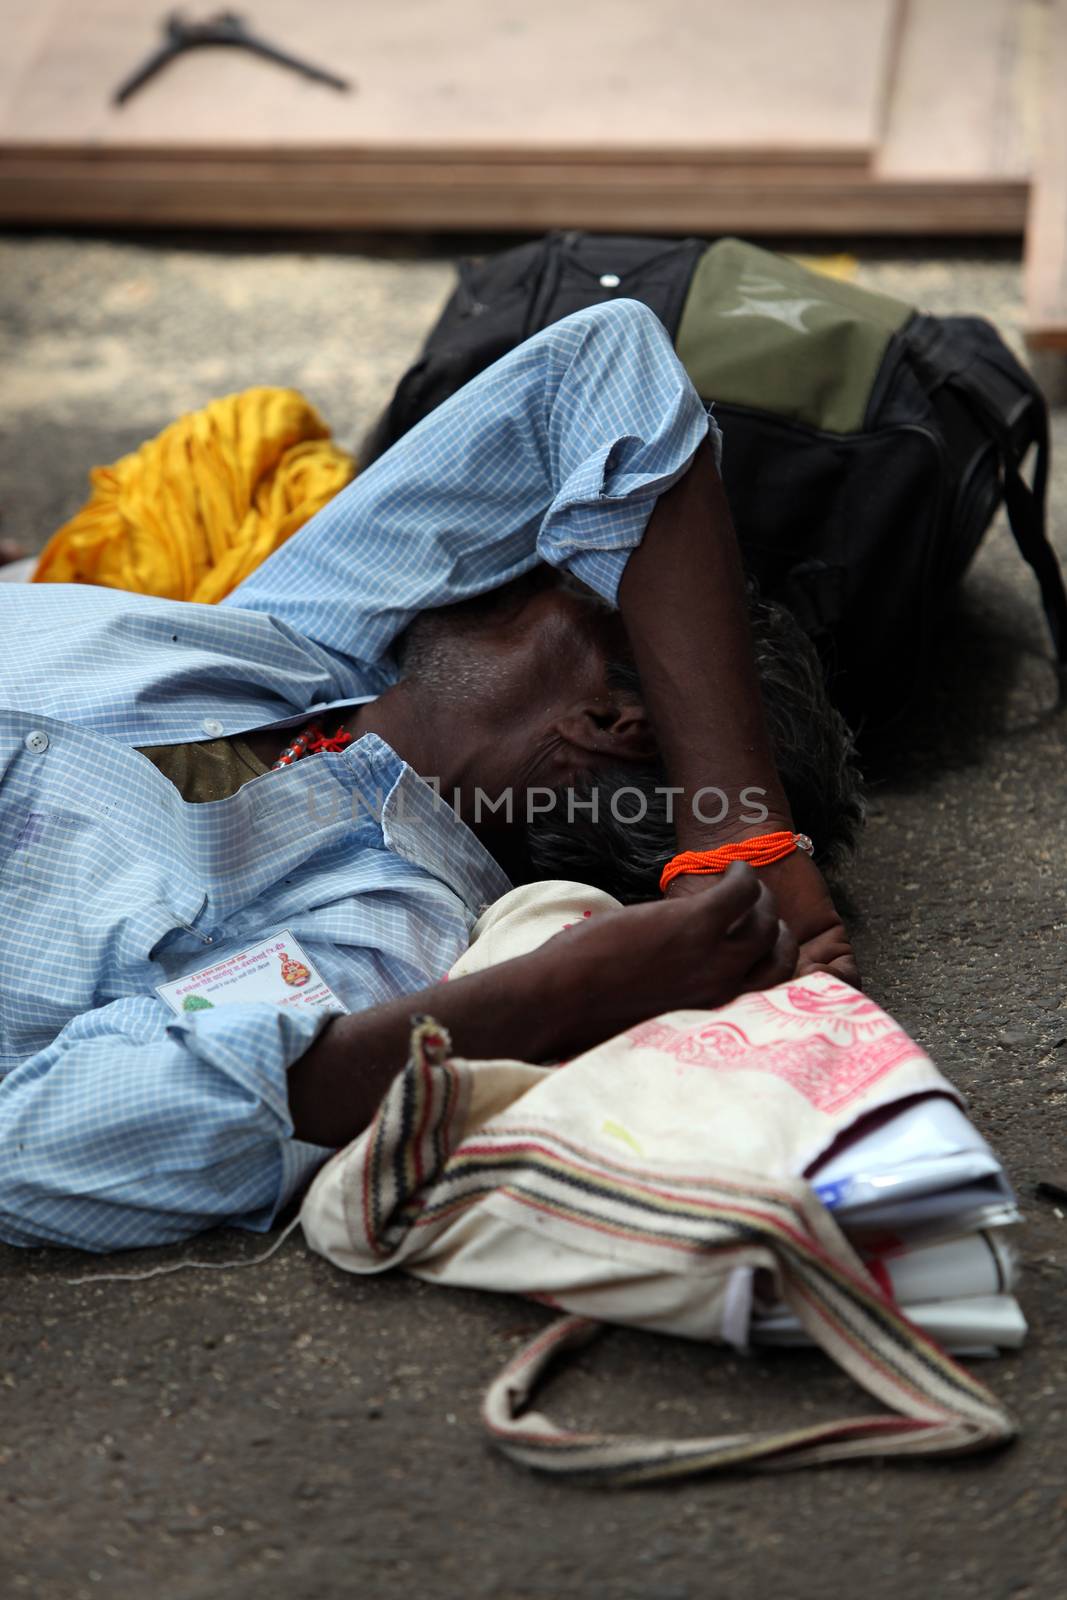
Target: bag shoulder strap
<point x="939" y="1408"/>
<point x="1024" y="502"/>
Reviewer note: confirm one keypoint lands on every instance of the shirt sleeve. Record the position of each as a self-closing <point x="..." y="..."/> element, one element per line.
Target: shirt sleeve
<point x="556" y="454"/>
<point x="136" y="1127"/>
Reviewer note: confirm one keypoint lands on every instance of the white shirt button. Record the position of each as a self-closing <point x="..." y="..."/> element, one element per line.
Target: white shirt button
<point x="610" y="280"/>
<point x="212" y="725"/>
<point x="36" y="741"/>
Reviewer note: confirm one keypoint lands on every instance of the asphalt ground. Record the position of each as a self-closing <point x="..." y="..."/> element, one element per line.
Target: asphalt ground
<point x="290" y="1431"/>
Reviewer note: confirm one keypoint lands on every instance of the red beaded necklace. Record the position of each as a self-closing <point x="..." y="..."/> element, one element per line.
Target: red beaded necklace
<point x="311" y="743"/>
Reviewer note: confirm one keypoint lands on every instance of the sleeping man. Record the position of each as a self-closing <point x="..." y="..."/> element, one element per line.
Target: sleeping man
<point x="517" y="647"/>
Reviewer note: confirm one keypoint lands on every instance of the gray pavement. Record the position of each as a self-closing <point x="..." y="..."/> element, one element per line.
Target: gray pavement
<point x="289" y="1431"/>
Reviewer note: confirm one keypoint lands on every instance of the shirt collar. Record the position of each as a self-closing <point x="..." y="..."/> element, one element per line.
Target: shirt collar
<point x="422" y="827"/>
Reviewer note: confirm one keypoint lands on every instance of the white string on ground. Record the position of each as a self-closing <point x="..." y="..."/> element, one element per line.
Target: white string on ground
<point x="180" y="1266"/>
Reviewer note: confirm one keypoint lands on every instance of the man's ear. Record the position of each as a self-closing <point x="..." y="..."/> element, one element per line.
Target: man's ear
<point x="609" y="728"/>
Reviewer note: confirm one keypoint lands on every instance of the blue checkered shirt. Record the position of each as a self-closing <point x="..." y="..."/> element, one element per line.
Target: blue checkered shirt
<point x="122" y="1123"/>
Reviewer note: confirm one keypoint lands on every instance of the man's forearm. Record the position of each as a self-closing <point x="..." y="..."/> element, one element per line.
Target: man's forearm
<point x="577" y="989"/>
<point x="682" y="598"/>
<point x="335" y="1088"/>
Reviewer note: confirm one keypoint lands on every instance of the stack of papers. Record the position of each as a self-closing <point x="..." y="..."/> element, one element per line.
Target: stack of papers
<point x="926" y="1203"/>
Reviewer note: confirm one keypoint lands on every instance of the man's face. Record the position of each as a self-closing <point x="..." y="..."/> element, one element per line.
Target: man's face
<point x="524" y="694"/>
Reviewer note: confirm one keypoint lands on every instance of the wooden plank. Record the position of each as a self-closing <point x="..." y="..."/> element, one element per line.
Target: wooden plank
<point x="958" y="102"/>
<point x="1045" y="273"/>
<point x="334" y="192"/>
<point x="768" y="80"/>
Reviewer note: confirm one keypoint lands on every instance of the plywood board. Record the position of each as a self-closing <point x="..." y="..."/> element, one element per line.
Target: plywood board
<point x="1046" y="233"/>
<point x="828" y="117"/>
<point x="961" y="95"/>
<point x="28" y="26"/>
<point x="772" y="79"/>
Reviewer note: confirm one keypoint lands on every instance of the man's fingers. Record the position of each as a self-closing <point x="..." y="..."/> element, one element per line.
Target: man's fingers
<point x="843" y="967"/>
<point x="741" y="915"/>
<point x="727" y="902"/>
<point x="778" y="965"/>
<point x="757" y="929"/>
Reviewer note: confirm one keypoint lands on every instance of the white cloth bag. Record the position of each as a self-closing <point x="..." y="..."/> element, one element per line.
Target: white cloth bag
<point x="643" y="1183"/>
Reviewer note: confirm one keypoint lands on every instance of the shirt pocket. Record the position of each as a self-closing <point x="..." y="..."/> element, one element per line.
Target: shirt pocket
<point x="81" y="912"/>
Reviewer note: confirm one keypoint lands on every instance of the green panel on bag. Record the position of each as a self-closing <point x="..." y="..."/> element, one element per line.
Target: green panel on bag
<point x="760" y="330"/>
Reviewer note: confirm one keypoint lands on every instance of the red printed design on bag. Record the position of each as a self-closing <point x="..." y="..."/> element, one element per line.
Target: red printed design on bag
<point x="704" y="1046"/>
<point x="830" y="1045"/>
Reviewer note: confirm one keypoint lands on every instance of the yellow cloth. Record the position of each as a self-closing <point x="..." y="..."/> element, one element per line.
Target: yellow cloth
<point x="841" y="267"/>
<point x="195" y="510"/>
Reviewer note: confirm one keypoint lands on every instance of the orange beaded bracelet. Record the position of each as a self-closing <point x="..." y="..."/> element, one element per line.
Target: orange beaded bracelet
<point x="762" y="851"/>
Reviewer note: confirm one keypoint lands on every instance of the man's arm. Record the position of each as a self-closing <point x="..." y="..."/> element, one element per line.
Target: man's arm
<point x="138" y="1127"/>
<point x="135" y="1127"/>
<point x="682" y="598"/>
<point x="555" y="454"/>
<point x="580" y="988"/>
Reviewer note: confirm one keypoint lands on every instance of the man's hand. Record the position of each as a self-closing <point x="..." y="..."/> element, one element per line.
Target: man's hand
<point x="578" y="989"/>
<point x="692" y="952"/>
<point x="804" y="903"/>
